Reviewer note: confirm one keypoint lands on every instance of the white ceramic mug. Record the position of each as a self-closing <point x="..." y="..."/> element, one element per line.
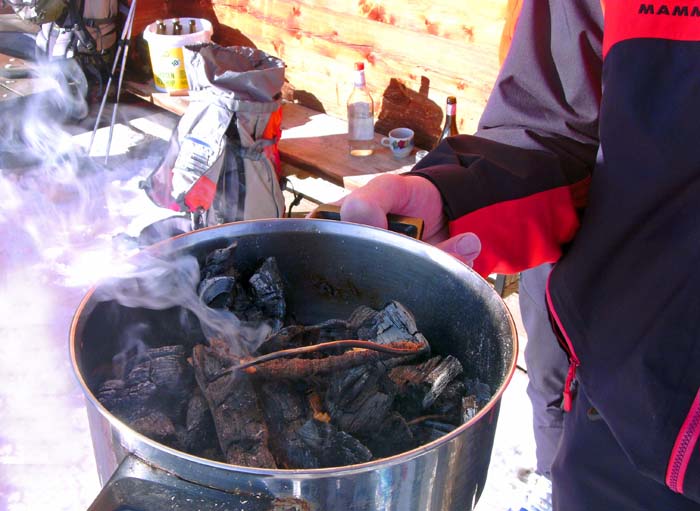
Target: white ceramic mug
<point x="400" y="141"/>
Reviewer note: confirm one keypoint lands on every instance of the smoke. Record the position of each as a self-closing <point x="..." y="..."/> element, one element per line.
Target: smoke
<point x="159" y="284"/>
<point x="78" y="221"/>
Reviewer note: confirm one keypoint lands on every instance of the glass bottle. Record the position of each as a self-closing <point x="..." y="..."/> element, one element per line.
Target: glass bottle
<point x="360" y="116"/>
<point x="177" y="28"/>
<point x="193" y="26"/>
<point x="160" y="27"/>
<point x="450" y="127"/>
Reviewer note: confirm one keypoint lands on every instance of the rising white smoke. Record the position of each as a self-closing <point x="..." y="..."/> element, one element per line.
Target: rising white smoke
<point x="77" y="219"/>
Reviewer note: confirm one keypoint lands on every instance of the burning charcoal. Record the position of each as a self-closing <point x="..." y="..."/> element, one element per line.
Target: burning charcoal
<point x="219" y="262"/>
<point x="481" y="391"/>
<point x="393" y="323"/>
<point x="294" y="336"/>
<point x="158" y="427"/>
<point x="393" y="436"/>
<point x="333" y="448"/>
<point x="243" y="305"/>
<point x="286" y="410"/>
<point x="440" y="377"/>
<point x="217" y="292"/>
<point x="198" y="436"/>
<point x="161" y="380"/>
<point x="358" y="400"/>
<point x="268" y="290"/>
<point x="240" y="427"/>
<point x="469" y="408"/>
<point x="477" y="395"/>
<point x="127" y="402"/>
<point x="411" y="382"/>
<point x="449" y="404"/>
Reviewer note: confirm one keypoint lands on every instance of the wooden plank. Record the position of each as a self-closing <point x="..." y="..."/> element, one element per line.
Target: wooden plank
<point x="473" y="20"/>
<point x="23" y="84"/>
<point x="7" y="94"/>
<point x="319" y="61"/>
<point x="146" y="91"/>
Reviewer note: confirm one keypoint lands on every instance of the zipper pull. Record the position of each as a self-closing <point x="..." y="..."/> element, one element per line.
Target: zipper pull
<point x="568" y="384"/>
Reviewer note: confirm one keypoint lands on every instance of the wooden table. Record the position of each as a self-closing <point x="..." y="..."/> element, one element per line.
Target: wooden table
<point x="313" y="148"/>
<point x="27" y="83"/>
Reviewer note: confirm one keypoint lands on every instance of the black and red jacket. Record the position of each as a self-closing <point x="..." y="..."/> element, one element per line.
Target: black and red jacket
<point x="588" y="154"/>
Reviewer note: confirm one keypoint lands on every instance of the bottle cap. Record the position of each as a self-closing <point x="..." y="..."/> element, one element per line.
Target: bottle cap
<point x="359" y="66"/>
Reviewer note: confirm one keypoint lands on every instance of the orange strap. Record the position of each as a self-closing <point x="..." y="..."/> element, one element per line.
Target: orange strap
<point x="512" y="13"/>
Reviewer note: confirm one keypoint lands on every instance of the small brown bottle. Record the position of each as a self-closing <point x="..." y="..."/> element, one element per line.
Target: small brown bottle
<point x="160" y="27"/>
<point x="193" y="26"/>
<point x="177" y="28"/>
<point x="450" y="127"/>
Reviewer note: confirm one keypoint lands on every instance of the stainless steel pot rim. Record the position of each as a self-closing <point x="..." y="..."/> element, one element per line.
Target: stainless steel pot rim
<point x="320" y="226"/>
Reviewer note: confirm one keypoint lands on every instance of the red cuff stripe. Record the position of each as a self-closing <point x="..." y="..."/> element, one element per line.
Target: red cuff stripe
<point x="522" y="233"/>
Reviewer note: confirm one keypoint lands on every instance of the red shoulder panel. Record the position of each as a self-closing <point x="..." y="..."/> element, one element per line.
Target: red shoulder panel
<point x="633" y="19"/>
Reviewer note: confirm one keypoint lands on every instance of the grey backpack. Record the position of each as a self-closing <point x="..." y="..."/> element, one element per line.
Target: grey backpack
<point x="84" y="30"/>
<point x="222" y="163"/>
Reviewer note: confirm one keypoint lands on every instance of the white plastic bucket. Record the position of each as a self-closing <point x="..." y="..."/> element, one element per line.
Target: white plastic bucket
<point x="166" y="50"/>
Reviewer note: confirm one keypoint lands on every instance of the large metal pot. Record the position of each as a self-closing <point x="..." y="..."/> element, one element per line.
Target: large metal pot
<point x="331" y="267"/>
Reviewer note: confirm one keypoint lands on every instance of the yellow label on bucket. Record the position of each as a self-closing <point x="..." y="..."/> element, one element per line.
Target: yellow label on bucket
<point x="169" y="69"/>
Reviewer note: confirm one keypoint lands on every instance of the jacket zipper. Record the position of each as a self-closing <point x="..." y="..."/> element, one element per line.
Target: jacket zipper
<point x="568" y="347"/>
<point x="683" y="448"/>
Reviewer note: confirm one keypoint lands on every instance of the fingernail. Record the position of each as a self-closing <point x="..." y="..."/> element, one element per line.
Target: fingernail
<point x="468" y="245"/>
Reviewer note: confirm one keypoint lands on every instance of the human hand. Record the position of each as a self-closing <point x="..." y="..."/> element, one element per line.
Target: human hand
<point x="410" y="196"/>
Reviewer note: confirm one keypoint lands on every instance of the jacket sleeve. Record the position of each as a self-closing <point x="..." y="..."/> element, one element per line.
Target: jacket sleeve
<point x="520" y="183"/>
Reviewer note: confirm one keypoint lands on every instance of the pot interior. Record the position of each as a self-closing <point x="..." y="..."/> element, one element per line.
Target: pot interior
<point x="329" y="269"/>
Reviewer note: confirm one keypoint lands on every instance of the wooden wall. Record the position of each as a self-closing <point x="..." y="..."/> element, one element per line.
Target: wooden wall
<point x="417" y="52"/>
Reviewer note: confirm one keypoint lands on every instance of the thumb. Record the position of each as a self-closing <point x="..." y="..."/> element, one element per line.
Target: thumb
<point x="465" y="247"/>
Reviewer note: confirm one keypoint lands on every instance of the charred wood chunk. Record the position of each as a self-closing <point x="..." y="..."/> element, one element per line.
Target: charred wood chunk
<point x="332" y="447"/>
<point x="219" y="262"/>
<point x="217" y="292"/>
<point x="393" y="437"/>
<point x="160" y="379"/>
<point x="358" y="400"/>
<point x="469" y="407"/>
<point x="286" y="411"/>
<point x="449" y="404"/>
<point x="233" y="402"/>
<point x="440" y="377"/>
<point x="159" y="427"/>
<point x="127" y="402"/>
<point x="481" y="391"/>
<point x="198" y="434"/>
<point x="392" y="323"/>
<point x="295" y="336"/>
<point x="268" y="290"/>
<point x="477" y="395"/>
<point x="410" y="381"/>
<point x="419" y="386"/>
<point x="243" y="305"/>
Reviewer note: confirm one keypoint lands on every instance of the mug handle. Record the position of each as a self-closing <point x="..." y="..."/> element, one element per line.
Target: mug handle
<point x="386" y="142"/>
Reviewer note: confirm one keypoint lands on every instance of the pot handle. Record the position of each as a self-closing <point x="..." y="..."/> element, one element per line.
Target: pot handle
<point x="407" y="225"/>
<point x="137" y="486"/>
